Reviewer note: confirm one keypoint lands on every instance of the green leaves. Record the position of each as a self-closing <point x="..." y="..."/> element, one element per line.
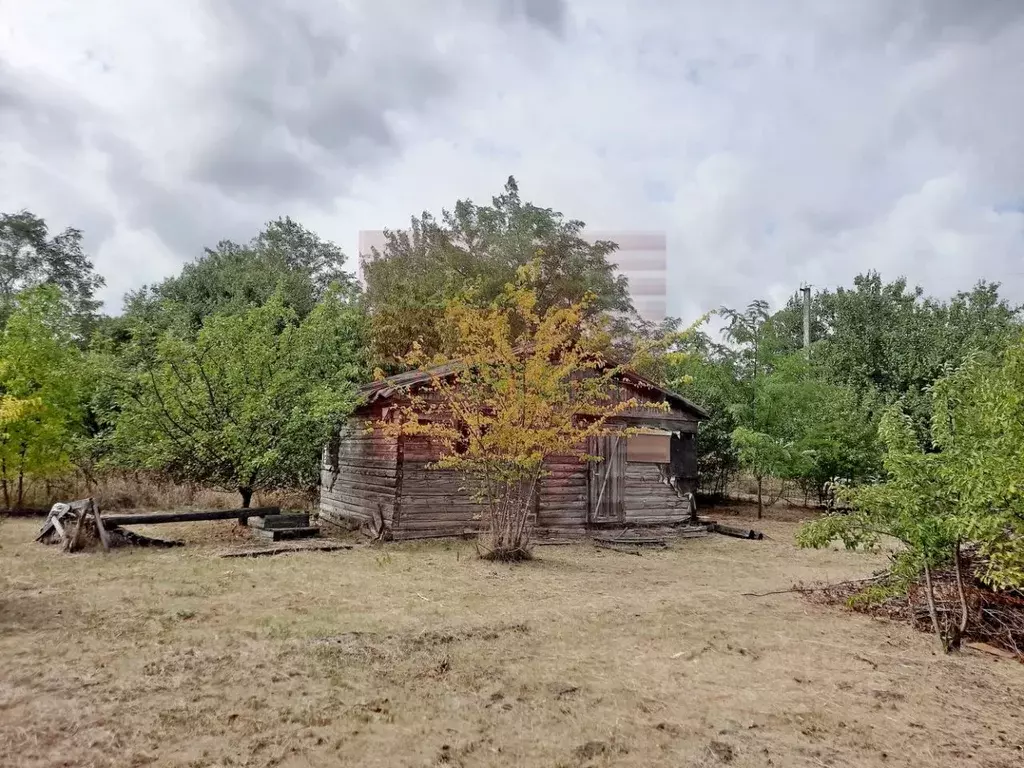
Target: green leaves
<point x="285" y="258"/>
<point x="471" y="254"/>
<point x="971" y="489"/>
<point x="249" y="401"/>
<point x="42" y="386"/>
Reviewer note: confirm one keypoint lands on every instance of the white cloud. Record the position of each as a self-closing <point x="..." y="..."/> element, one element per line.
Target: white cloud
<point x="775" y="143"/>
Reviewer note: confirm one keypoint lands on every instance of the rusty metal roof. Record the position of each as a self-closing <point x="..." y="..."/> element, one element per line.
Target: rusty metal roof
<point x="393" y="385"/>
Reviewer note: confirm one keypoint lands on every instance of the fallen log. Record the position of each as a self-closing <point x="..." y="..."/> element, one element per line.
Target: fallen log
<point x="618" y="548"/>
<point x="739" y="533"/>
<point x="155" y="518"/>
<point x="317" y="546"/>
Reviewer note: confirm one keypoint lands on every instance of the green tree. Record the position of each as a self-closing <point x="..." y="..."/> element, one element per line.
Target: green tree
<point x="913" y="505"/>
<point x="284" y="258"/>
<point x="30" y="257"/>
<point x="763" y="455"/>
<point x="40" y="375"/>
<point x="476" y="250"/>
<point x="706" y="373"/>
<point x="978" y="430"/>
<point x="248" y="402"/>
<point x="889" y="338"/>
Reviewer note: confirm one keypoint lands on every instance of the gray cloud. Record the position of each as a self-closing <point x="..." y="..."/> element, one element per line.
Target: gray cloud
<point x="548" y="14"/>
<point x="773" y="142"/>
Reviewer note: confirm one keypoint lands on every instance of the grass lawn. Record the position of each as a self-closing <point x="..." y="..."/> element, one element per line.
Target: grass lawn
<point x="422" y="655"/>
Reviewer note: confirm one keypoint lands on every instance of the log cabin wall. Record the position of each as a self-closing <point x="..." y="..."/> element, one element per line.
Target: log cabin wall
<point x="431" y="502"/>
<point x="359" y="475"/>
<point x="562" y="502"/>
<point x="648" y="499"/>
<point x="364" y="473"/>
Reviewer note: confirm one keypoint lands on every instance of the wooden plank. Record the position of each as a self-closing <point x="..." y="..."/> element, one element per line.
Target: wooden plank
<point x="100" y="528"/>
<point x="362" y="498"/>
<point x="71" y="543"/>
<point x="361" y="461"/>
<point x="362" y="486"/>
<point x="188" y="517"/>
<point x="344" y="507"/>
<point x="283" y="549"/>
<point x="386" y="473"/>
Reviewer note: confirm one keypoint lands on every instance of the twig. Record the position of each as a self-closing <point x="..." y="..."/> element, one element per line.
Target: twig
<point x="777" y="592"/>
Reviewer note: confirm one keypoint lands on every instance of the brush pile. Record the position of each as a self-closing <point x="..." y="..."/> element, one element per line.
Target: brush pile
<point x="77" y="525"/>
<point x="993" y="618"/>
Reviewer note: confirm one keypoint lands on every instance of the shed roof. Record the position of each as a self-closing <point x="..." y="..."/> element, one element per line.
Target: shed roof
<point x="392" y="385"/>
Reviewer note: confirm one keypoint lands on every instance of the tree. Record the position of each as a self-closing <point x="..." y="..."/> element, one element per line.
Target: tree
<point x="891" y="339"/>
<point x="479" y="249"/>
<point x="248" y="403"/>
<point x="41" y="386"/>
<point x="705" y="372"/>
<point x="913" y="505"/>
<point x="29" y="257"/>
<point x="978" y="431"/>
<point x="523" y="383"/>
<point x="747" y="331"/>
<point x="284" y="258"/>
<point x="763" y="455"/>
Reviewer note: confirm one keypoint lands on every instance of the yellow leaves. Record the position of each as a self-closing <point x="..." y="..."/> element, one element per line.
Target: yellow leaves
<point x="12" y="408"/>
<point x="525" y="387"/>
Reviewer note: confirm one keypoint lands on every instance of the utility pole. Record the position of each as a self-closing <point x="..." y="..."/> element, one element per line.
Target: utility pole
<point x="806" y="291"/>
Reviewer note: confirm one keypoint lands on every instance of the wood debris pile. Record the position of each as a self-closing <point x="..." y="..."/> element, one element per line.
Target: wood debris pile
<point x="77" y="525"/>
<point x="993" y="618"/>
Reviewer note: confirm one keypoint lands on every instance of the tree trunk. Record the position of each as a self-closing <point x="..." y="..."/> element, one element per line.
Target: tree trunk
<point x="930" y="595"/>
<point x="760" y="502"/>
<point x="3" y="480"/>
<point x="958" y="564"/>
<point x="21" y="477"/>
<point x="246" y="493"/>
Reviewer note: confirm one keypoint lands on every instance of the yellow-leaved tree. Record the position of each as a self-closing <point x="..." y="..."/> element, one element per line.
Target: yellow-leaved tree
<point x="516" y="386"/>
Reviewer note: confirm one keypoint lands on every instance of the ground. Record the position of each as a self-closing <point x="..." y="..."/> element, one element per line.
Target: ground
<point x="420" y="655"/>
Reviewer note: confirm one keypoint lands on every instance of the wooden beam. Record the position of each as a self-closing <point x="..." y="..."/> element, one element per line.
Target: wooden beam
<point x="189" y="517"/>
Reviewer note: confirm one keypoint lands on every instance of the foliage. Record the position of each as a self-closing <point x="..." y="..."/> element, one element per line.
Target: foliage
<point x="41" y="387"/>
<point x="979" y="432"/>
<point x="968" y="490"/>
<point x="705" y="373"/>
<point x="285" y="258"/>
<point x="29" y="257"/>
<point x="892" y="339"/>
<point x="476" y="250"/>
<point x="523" y="382"/>
<point x="248" y="403"/>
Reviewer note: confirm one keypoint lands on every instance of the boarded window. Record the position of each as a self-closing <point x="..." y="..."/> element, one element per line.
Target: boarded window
<point x="650" y="447"/>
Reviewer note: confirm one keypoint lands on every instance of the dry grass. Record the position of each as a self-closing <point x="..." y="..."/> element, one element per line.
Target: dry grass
<point x="421" y="654"/>
<point x="141" y="490"/>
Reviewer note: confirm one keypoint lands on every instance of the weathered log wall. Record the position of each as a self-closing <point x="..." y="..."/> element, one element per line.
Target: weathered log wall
<point x="562" y="502"/>
<point x="648" y="498"/>
<point x="433" y="502"/>
<point x="365" y="475"/>
<point x="359" y="476"/>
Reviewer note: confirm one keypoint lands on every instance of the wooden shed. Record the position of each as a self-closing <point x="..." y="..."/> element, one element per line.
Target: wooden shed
<point x="644" y="479"/>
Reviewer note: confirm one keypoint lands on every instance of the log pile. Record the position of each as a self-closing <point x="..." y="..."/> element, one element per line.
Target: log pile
<point x="77" y="525"/>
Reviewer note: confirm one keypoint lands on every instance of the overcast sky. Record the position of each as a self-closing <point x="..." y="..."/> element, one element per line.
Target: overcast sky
<point x="774" y="142"/>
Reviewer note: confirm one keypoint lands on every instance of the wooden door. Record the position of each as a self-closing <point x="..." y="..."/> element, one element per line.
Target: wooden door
<point x="607" y="480"/>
